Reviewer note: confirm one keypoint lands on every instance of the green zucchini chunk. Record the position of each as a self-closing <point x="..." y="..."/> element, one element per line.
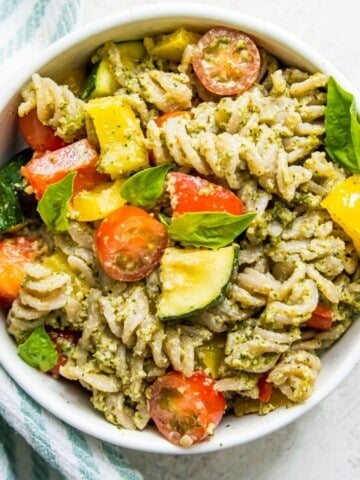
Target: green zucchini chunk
<point x="11" y="190"/>
<point x="10" y="210"/>
<point x="193" y="280"/>
<point x="10" y="173"/>
<point x="100" y="82"/>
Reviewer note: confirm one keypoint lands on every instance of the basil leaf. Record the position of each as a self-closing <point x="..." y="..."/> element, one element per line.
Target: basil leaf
<point x="164" y="220"/>
<point x="342" y="127"/>
<point x="53" y="205"/>
<point x="38" y="350"/>
<point x="209" y="229"/>
<point x="144" y="188"/>
<point x="10" y="209"/>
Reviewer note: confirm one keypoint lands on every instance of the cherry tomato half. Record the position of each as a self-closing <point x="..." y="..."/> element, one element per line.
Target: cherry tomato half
<point x="129" y="243"/>
<point x="46" y="168"/>
<point x="226" y="61"/>
<point x="39" y="137"/>
<point x="195" y="194"/>
<point x="165" y="116"/>
<point x="14" y="253"/>
<point x="186" y="410"/>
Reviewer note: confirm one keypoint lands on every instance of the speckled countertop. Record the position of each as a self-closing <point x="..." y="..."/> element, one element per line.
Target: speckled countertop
<point x="325" y="443"/>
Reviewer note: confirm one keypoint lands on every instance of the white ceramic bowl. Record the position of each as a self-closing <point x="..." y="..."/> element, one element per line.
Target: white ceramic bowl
<point x="69" y="402"/>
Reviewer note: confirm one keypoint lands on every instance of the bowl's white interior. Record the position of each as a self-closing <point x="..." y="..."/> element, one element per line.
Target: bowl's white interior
<point x="66" y="400"/>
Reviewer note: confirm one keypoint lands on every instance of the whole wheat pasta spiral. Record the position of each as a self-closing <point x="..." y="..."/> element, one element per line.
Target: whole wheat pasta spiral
<point x="56" y="106"/>
<point x="43" y="291"/>
<point x="255" y="349"/>
<point x="296" y="374"/>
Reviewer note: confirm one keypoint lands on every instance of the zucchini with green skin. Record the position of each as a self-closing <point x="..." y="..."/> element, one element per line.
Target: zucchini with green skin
<point x="11" y="186"/>
<point x="101" y="81"/>
<point x="10" y="173"/>
<point x="10" y="210"/>
<point x="192" y="280"/>
<point x="212" y="353"/>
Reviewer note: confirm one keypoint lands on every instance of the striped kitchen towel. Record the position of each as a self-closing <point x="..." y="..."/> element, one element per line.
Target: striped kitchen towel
<point x="58" y="450"/>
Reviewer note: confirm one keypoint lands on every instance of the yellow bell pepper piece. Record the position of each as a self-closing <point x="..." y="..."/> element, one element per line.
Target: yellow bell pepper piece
<point x="95" y="204"/>
<point x="170" y="47"/>
<point x="343" y="205"/>
<point x="122" y="143"/>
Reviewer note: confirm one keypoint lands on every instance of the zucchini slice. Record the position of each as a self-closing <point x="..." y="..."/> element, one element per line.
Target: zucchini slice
<point x="10" y="210"/>
<point x="11" y="191"/>
<point x="10" y="173"/>
<point x="193" y="280"/>
<point x="100" y="82"/>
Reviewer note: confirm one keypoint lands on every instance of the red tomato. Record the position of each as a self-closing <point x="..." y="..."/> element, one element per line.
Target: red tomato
<point x="63" y="341"/>
<point x="14" y="253"/>
<point x="195" y="194"/>
<point x="129" y="243"/>
<point x="226" y="61"/>
<point x="321" y="319"/>
<point x="62" y="359"/>
<point x="186" y="410"/>
<point x="265" y="388"/>
<point x="38" y="136"/>
<point x="165" y="116"/>
<point x="47" y="168"/>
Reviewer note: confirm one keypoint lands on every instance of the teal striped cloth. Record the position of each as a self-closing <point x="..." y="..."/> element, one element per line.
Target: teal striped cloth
<point x="25" y="23"/>
<point x="57" y="450"/>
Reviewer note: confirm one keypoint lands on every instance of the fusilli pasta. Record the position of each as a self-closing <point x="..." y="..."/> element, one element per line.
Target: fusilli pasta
<point x="265" y="145"/>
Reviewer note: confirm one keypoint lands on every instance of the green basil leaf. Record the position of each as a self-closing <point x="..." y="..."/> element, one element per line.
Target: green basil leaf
<point x="342" y="127"/>
<point x="10" y="209"/>
<point x="53" y="205"/>
<point x="164" y="220"/>
<point x="355" y="131"/>
<point x="144" y="188"/>
<point x="38" y="350"/>
<point x="209" y="229"/>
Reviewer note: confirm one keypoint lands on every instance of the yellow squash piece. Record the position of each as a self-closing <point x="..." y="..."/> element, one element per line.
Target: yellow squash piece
<point x="95" y="204"/>
<point x="170" y="47"/>
<point x="122" y="143"/>
<point x="343" y="205"/>
<point x="131" y="53"/>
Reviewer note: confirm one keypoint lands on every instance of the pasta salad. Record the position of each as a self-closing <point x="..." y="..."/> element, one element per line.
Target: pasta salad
<point x="179" y="236"/>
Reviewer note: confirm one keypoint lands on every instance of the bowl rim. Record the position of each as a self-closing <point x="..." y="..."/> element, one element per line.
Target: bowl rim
<point x="24" y="376"/>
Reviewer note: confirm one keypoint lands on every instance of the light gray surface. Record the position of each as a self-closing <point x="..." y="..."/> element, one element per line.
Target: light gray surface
<point x="325" y="443"/>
